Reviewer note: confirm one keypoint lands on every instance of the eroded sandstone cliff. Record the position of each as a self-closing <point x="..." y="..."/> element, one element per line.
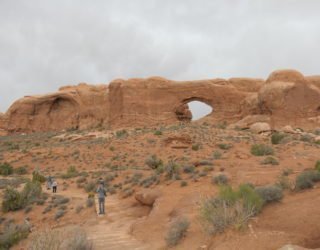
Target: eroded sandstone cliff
<point x="287" y="97"/>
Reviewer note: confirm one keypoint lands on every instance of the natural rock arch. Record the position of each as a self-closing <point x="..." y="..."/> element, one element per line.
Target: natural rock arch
<point x="183" y="112"/>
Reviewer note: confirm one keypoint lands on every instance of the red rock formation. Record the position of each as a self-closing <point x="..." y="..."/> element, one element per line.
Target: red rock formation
<point x="287" y="97"/>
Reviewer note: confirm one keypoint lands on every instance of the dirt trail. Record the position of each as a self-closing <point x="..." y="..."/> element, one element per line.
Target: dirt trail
<point x="112" y="230"/>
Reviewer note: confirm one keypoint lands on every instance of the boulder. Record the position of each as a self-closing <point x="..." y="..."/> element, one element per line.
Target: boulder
<point x="288" y="129"/>
<point x="249" y="120"/>
<point x="260" y="127"/>
<point x="147" y="197"/>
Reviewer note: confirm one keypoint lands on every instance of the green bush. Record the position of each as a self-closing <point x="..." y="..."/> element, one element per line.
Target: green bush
<point x="261" y="150"/>
<point x="31" y="192"/>
<point x="277" y="137"/>
<point x="231" y="207"/>
<point x="12" y="200"/>
<point x="217" y="155"/>
<point x="317" y="166"/>
<point x="220" y="179"/>
<point x="71" y="172"/>
<point x="195" y="147"/>
<point x="59" y="214"/>
<point x="270" y="193"/>
<point x="37" y="176"/>
<point x="157" y="132"/>
<point x="172" y="170"/>
<point x="307" y="179"/>
<point x="90" y="187"/>
<point x="177" y="231"/>
<point x="21" y="170"/>
<point x="269" y="160"/>
<point x="224" y="146"/>
<point x="6" y="169"/>
<point x="189" y="169"/>
<point x="183" y="183"/>
<point x="153" y="162"/>
<point x="13" y="234"/>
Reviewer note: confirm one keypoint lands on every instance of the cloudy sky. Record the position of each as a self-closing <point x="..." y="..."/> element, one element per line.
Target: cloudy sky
<point x="45" y="44"/>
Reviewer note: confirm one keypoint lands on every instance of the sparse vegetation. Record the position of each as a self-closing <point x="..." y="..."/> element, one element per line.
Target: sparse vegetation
<point x="224" y="146"/>
<point x="277" y="137"/>
<point x="71" y="173"/>
<point x="73" y="238"/>
<point x="231" y="207"/>
<point x="6" y="169"/>
<point x="307" y="179"/>
<point x="261" y="150"/>
<point x="14" y="200"/>
<point x="21" y="170"/>
<point x="269" y="160"/>
<point x="37" y="176"/>
<point x="317" y="165"/>
<point x="270" y="193"/>
<point x="153" y="162"/>
<point x="220" y="179"/>
<point x="177" y="231"/>
<point x="12" y="234"/>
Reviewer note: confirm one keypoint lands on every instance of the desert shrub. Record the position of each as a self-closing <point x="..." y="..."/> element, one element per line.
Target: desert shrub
<point x="283" y="182"/>
<point x="217" y="155"/>
<point x="277" y="137"/>
<point x="90" y="201"/>
<point x="31" y="192"/>
<point x="59" y="214"/>
<point x="121" y="133"/>
<point x="90" y="186"/>
<point x="20" y="170"/>
<point x="317" y="165"/>
<point x="205" y="163"/>
<point x="183" y="183"/>
<point x="37" y="176"/>
<point x="270" y="193"/>
<point x="224" y="146"/>
<point x="14" y="182"/>
<point x="12" y="234"/>
<point x="153" y="162"/>
<point x="307" y="179"/>
<point x="177" y="231"/>
<point x="157" y="132"/>
<point x="231" y="207"/>
<point x="306" y="137"/>
<point x="12" y="200"/>
<point x="81" y="179"/>
<point x="71" y="172"/>
<point x="189" y="169"/>
<point x="172" y="170"/>
<point x="6" y="169"/>
<point x="261" y="150"/>
<point x="220" y="179"/>
<point x="195" y="147"/>
<point x="59" y="200"/>
<point x="73" y="238"/>
<point x="79" y="209"/>
<point x="269" y="160"/>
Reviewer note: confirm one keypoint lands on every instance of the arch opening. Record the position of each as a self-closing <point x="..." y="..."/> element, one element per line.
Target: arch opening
<point x="193" y="109"/>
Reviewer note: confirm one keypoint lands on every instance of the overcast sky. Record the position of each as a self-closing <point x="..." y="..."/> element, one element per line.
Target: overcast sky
<point x="45" y="44"/>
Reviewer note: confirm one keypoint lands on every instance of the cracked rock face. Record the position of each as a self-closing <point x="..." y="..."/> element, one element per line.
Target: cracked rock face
<point x="286" y="97"/>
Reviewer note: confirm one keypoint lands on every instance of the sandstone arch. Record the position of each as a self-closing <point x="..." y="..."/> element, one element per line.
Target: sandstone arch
<point x="183" y="111"/>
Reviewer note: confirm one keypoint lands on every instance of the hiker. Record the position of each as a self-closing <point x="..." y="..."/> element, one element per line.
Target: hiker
<point x="54" y="186"/>
<point x="49" y="182"/>
<point x="101" y="197"/>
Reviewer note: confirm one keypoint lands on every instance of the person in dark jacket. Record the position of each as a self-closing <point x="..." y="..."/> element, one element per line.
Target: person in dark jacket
<point x="101" y="197"/>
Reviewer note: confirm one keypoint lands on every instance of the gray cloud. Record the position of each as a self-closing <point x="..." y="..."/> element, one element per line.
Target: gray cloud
<point x="45" y="44"/>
